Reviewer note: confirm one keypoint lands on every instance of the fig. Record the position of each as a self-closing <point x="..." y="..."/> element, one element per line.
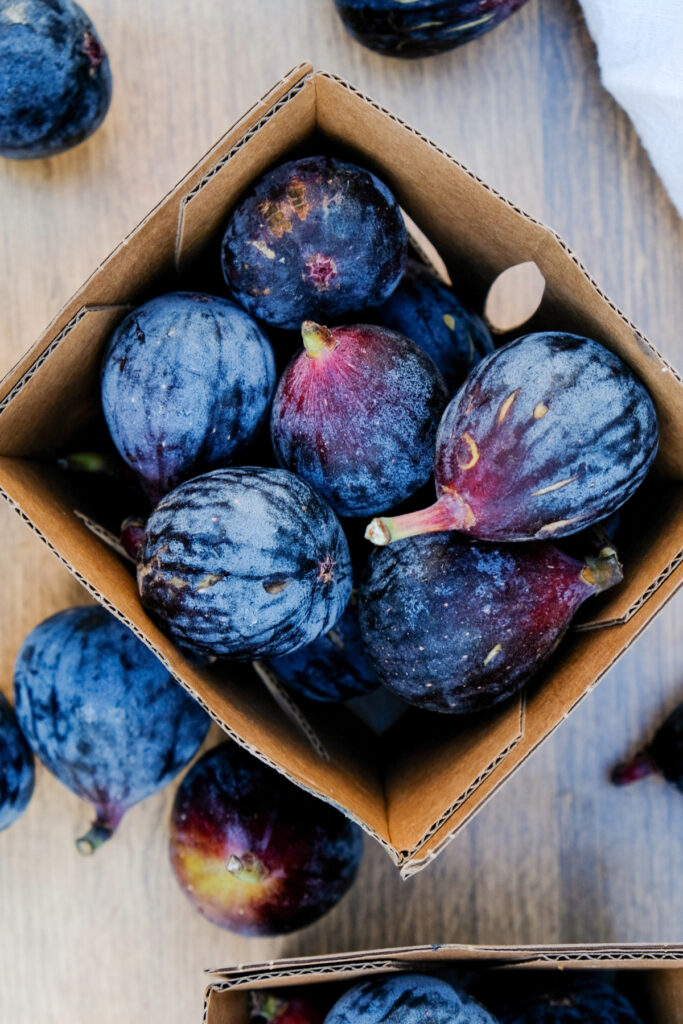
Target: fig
<point x="55" y="81"/>
<point x="663" y="754"/>
<point x="421" y="28"/>
<point x="547" y="435"/>
<point x="132" y="536"/>
<point x="103" y="714"/>
<point x="314" y="238"/>
<point x="187" y="380"/>
<point x="356" y="414"/>
<point x="430" y="314"/>
<point x="17" y="767"/>
<point x="244" y="563"/>
<point x="407" y="999"/>
<point x="566" y="1003"/>
<point x="254" y="853"/>
<point x="267" y="1007"/>
<point x="457" y="626"/>
<point x="334" y="667"/>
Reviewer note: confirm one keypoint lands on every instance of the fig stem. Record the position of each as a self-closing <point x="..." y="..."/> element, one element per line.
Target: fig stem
<point x="87" y="462"/>
<point x="630" y="771"/>
<point x="317" y="339"/>
<point x="603" y="571"/>
<point x="450" y="512"/>
<point x="98" y="833"/>
<point x="246" y="868"/>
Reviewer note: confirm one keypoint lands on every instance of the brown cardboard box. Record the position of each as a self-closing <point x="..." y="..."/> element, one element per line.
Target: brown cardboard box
<point x="652" y="976"/>
<point x="418" y="785"/>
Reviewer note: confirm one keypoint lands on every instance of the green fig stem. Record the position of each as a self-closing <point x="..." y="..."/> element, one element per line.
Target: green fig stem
<point x="317" y="339"/>
<point x="246" y="868"/>
<point x="87" y="462"/>
<point x="266" y="1005"/>
<point x="603" y="571"/>
<point x="98" y="833"/>
<point x="450" y="512"/>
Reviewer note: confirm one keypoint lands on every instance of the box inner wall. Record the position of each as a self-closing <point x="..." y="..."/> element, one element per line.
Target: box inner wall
<point x="407" y="788"/>
<point x="657" y="995"/>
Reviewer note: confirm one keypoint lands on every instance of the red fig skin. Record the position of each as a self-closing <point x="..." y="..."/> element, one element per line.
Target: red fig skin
<point x="254" y="853"/>
<point x="639" y="767"/>
<point x="548" y="435"/>
<point x="133" y="536"/>
<point x="663" y="755"/>
<point x="456" y="626"/>
<point x="355" y="415"/>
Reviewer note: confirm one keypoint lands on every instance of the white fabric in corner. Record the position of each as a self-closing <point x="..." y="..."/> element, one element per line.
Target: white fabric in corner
<point x="640" y="50"/>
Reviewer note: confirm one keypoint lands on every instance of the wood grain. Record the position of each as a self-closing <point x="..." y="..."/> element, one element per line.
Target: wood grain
<point x="559" y="855"/>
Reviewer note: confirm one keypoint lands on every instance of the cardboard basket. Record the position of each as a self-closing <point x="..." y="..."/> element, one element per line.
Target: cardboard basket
<point x="413" y="789"/>
<point x="651" y="976"/>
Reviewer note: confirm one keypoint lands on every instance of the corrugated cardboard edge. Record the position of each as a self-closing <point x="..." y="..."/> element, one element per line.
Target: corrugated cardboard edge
<point x="67" y="315"/>
<point x="242" y="974"/>
<point x="411" y="865"/>
<point x="640" y="337"/>
<point x="280" y="100"/>
<point x="366" y="962"/>
<point x="585" y="627"/>
<point x="268" y="104"/>
<point x="267" y="107"/>
<point x="44" y="351"/>
<point x="405" y="858"/>
<point x="256" y="118"/>
<point x="101" y="599"/>
<point x="290" y="83"/>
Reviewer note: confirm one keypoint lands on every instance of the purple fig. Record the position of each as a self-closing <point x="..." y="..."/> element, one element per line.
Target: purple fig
<point x="334" y="667"/>
<point x="132" y="536"/>
<point x="429" y="313"/>
<point x="55" y="79"/>
<point x="545" y="1000"/>
<point x="407" y="999"/>
<point x="548" y="435"/>
<point x="421" y="28"/>
<point x="315" y="237"/>
<point x="664" y="754"/>
<point x="456" y="626"/>
<point x="355" y="415"/>
<point x="254" y="853"/>
<point x="17" y="767"/>
<point x="244" y="563"/>
<point x="186" y="382"/>
<point x="103" y="714"/>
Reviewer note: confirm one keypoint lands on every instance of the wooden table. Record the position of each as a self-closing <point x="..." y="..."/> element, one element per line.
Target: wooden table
<point x="559" y="856"/>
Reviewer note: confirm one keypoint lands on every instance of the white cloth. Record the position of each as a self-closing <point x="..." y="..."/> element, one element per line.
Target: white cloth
<point x="640" y="50"/>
